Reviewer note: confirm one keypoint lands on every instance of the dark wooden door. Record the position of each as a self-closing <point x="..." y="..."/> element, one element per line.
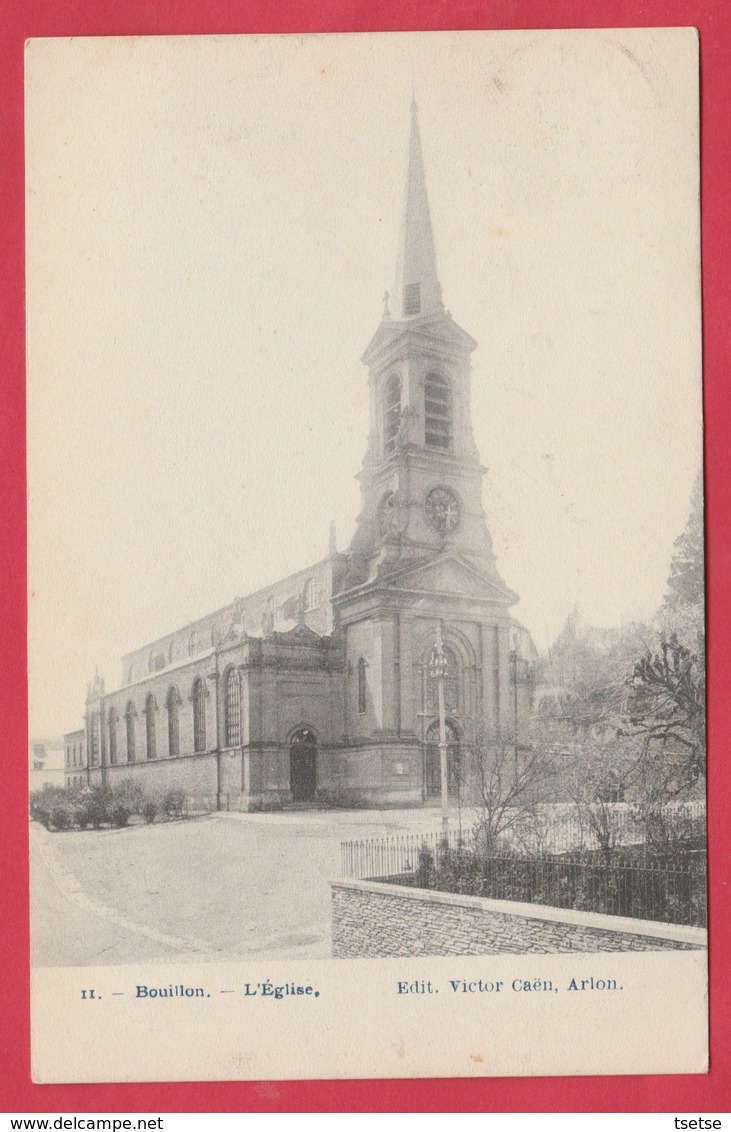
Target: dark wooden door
<point x="303" y="767"/>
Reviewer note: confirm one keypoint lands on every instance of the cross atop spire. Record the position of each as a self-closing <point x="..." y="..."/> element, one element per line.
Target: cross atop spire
<point x="416" y="292"/>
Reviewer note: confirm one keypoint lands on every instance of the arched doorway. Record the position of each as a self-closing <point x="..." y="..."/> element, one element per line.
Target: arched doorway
<point x="432" y="762"/>
<point x="303" y="765"/>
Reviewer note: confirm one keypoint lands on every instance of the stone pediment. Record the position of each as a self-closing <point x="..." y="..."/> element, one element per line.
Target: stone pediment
<point x="453" y="575"/>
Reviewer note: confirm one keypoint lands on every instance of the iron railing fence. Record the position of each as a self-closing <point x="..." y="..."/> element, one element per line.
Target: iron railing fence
<point x="669" y="890"/>
<point x="395" y="856"/>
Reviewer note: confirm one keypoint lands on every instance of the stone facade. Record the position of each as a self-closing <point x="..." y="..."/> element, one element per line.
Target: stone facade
<point x="318" y="688"/>
<point x="75" y="765"/>
<point x="375" y="920"/>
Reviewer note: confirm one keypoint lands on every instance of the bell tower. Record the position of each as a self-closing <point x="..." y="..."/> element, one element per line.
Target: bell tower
<point x="421" y="476"/>
<point x="421" y="558"/>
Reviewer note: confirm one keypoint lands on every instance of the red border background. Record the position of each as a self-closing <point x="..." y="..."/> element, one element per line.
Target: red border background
<point x="165" y="17"/>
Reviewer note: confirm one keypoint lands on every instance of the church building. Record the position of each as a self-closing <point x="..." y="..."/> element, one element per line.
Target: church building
<point x="317" y="689"/>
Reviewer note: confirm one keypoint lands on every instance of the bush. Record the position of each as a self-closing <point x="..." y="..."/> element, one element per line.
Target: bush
<point x="96" y="807"/>
<point x="173" y="802"/>
<point x="62" y="808"/>
<point x="50" y="806"/>
<point x="150" y="809"/>
<point x="129" y="794"/>
<point x="120" y="815"/>
<point x="672" y="832"/>
<point x="127" y="799"/>
<point x="62" y="815"/>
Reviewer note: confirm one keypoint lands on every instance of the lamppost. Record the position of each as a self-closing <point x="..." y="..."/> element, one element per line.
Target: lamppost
<point x="438" y="667"/>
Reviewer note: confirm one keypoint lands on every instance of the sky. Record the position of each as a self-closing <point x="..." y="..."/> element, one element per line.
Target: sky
<point x="211" y="226"/>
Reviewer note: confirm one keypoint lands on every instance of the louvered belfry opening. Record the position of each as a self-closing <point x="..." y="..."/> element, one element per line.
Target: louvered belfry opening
<point x="438" y="412"/>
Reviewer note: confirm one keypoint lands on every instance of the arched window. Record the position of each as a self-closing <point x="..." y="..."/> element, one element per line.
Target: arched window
<point x="129" y="718"/>
<point x="112" y="724"/>
<point x="437" y="412"/>
<point x="313" y="594"/>
<point x="451" y="685"/>
<point x="173" y="705"/>
<point x="150" y="709"/>
<point x="391" y="412"/>
<point x="199" y="715"/>
<point x="233" y="708"/>
<point x="361" y="686"/>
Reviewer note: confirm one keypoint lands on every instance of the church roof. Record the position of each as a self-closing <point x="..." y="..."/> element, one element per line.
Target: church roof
<point x="416" y="290"/>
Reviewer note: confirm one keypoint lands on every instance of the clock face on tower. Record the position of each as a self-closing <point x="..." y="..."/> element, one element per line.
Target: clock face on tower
<point x="442" y="509"/>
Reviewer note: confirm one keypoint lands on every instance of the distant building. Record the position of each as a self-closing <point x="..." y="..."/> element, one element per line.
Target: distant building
<point x="318" y="689"/>
<point x="46" y="764"/>
<point x="74" y="745"/>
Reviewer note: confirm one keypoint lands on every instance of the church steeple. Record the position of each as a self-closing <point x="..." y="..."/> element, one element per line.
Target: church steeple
<point x="420" y="483"/>
<point x="416" y="291"/>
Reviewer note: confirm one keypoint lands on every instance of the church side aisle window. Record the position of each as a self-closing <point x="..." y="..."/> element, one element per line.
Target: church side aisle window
<point x="173" y="706"/>
<point x="391" y="412"/>
<point x="233" y="708"/>
<point x="112" y="723"/>
<point x="129" y="717"/>
<point x="437" y="412"/>
<point x="150" y="709"/>
<point x="199" y="716"/>
<point x="313" y="594"/>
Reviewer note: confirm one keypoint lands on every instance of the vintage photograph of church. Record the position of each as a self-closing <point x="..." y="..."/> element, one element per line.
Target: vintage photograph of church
<point x="317" y="688"/>
<point x="490" y="663"/>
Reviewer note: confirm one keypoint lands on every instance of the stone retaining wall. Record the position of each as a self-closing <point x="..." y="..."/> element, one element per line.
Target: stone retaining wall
<point x="376" y="920"/>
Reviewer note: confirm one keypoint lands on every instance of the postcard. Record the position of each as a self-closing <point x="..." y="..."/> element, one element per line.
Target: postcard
<point x="366" y="614"/>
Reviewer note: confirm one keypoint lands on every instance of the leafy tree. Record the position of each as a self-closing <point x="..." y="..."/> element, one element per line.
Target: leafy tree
<point x="666" y="691"/>
<point x="667" y="707"/>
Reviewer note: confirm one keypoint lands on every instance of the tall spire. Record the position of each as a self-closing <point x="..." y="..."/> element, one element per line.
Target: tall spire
<point x="416" y="291"/>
